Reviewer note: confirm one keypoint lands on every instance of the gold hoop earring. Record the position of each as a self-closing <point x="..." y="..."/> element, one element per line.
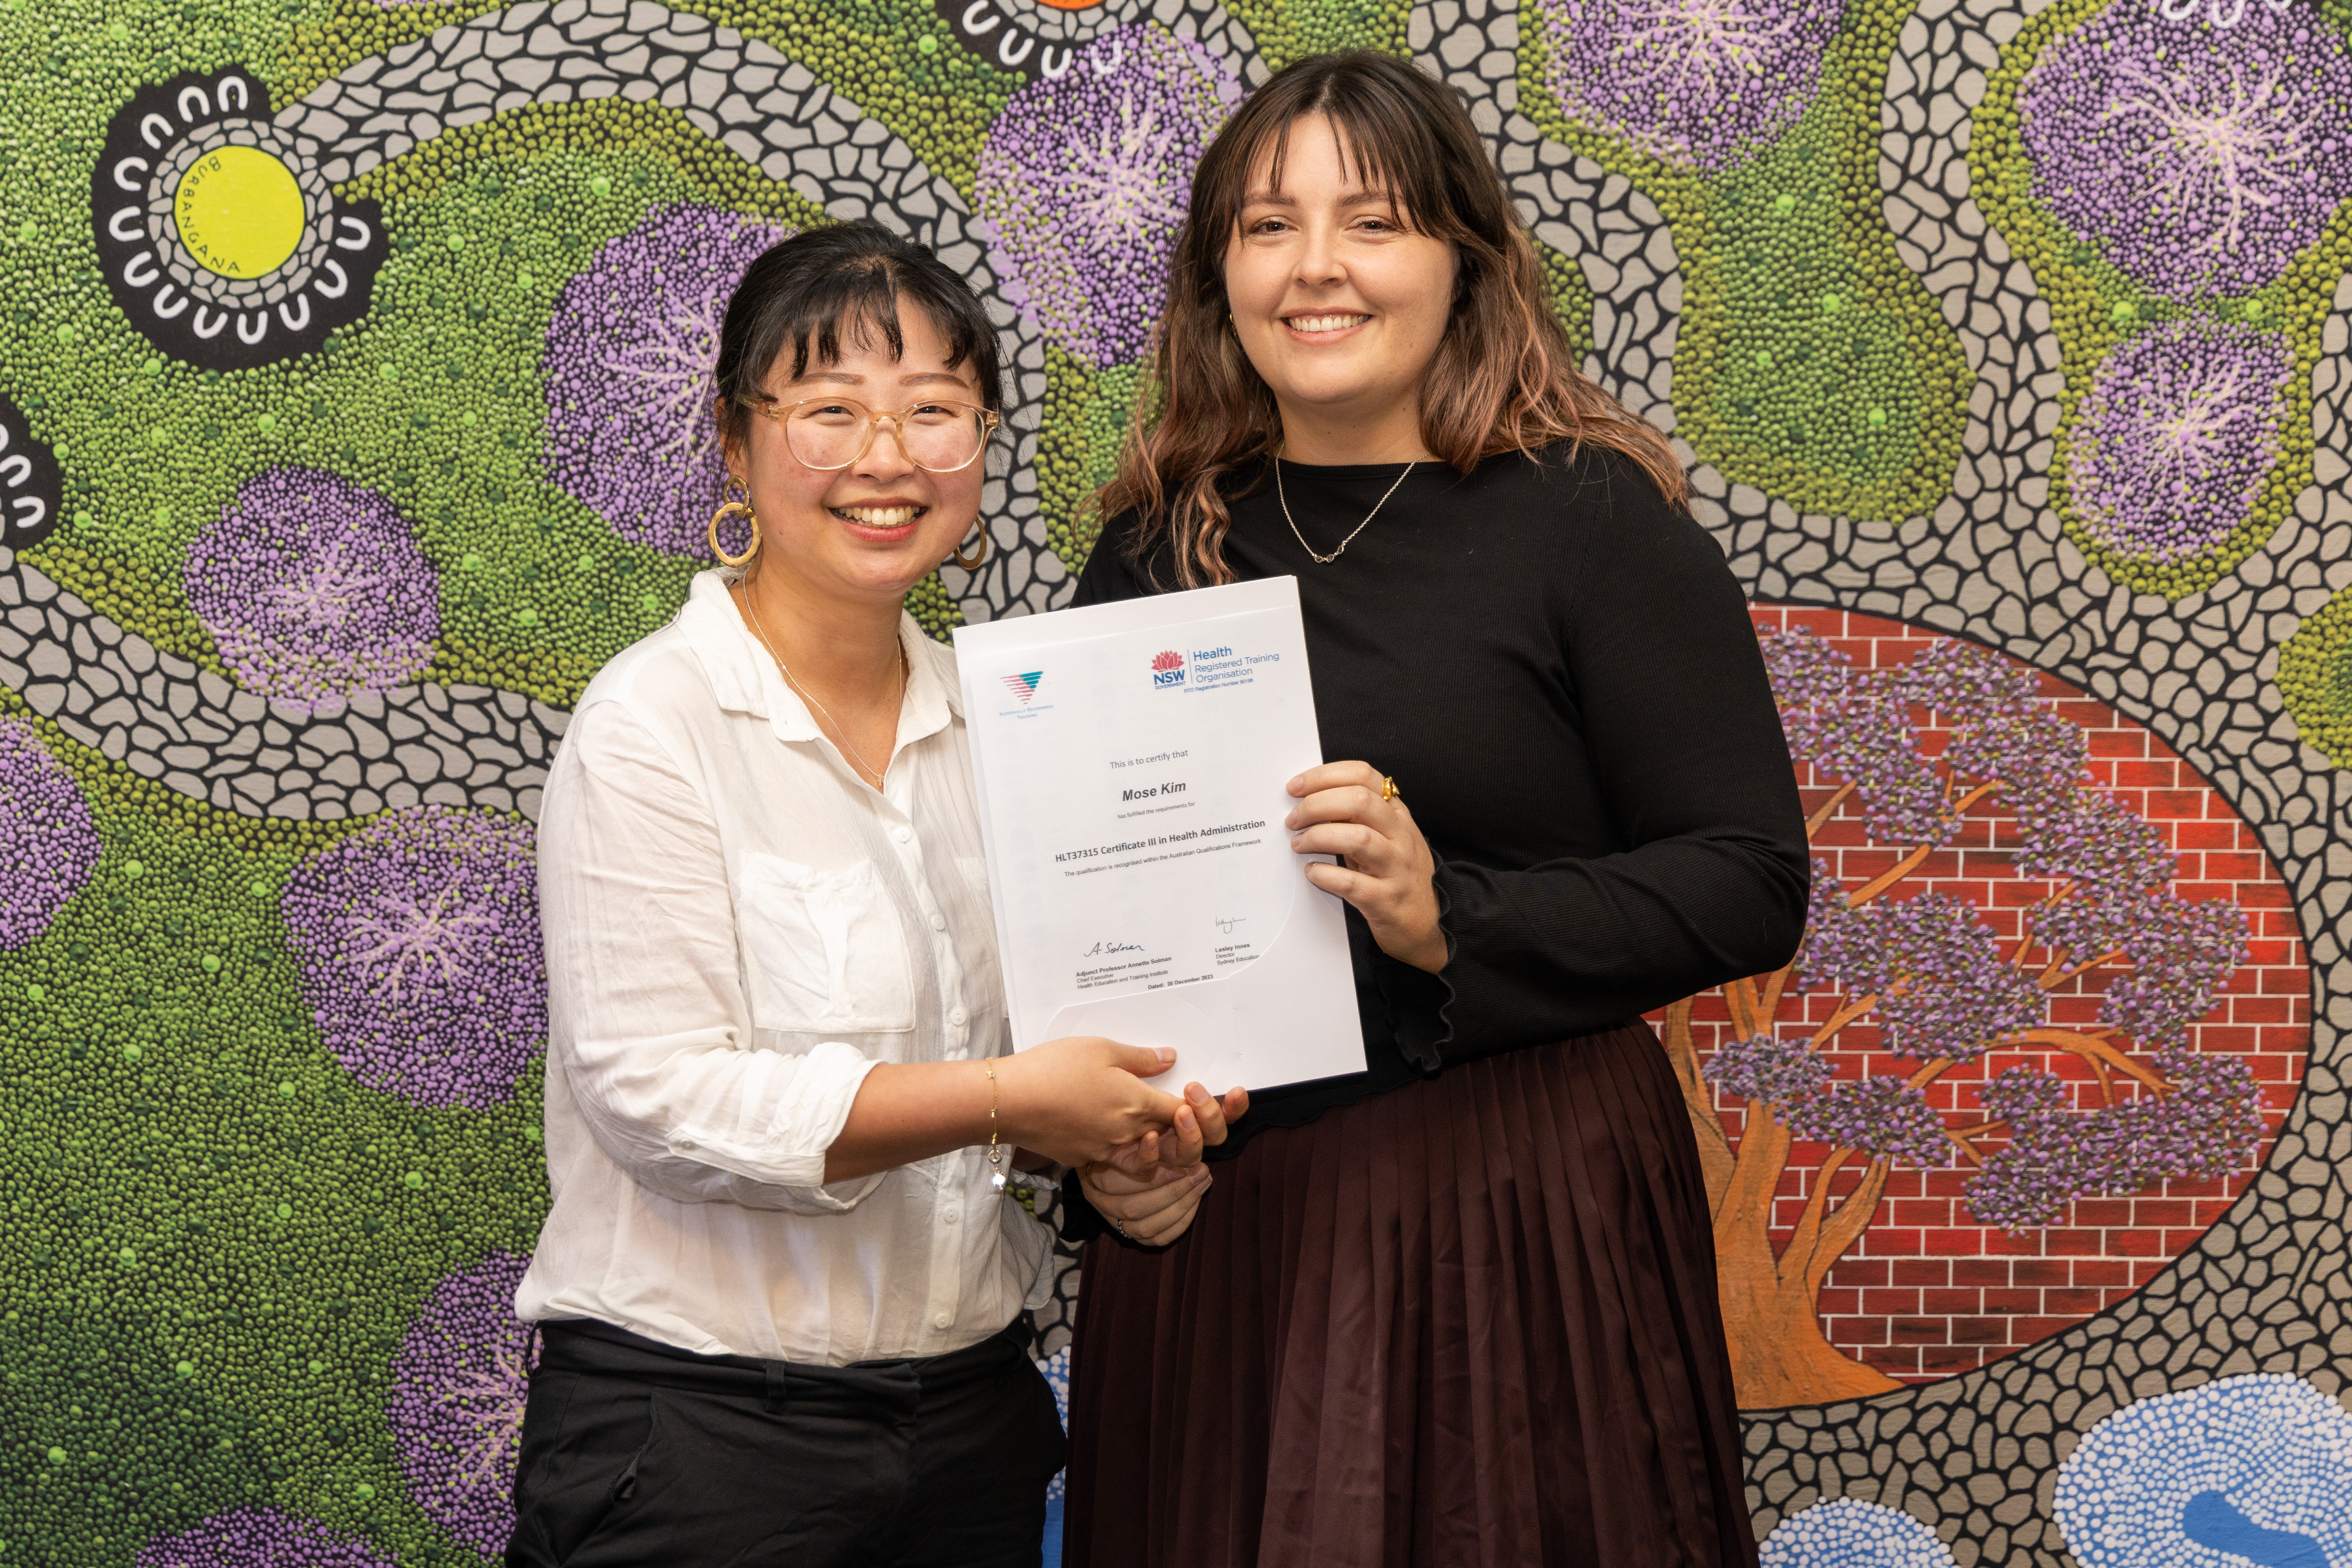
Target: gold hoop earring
<point x="734" y="506"/>
<point x="978" y="555"/>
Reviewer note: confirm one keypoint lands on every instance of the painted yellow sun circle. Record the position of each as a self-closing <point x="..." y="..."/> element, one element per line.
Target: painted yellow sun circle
<point x="239" y="212"/>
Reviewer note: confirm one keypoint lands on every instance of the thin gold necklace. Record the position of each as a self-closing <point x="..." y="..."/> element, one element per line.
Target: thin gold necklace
<point x="839" y="734"/>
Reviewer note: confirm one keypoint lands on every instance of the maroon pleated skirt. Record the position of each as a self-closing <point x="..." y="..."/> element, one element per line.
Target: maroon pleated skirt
<point x="1469" y="1322"/>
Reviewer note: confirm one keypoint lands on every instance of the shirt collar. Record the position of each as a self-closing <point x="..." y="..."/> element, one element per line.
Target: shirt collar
<point x="744" y="677"/>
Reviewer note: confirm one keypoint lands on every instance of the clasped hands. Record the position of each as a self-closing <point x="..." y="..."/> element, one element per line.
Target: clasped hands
<point x="1151" y="1187"/>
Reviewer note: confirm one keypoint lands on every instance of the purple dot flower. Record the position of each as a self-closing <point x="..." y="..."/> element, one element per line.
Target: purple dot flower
<point x="1856" y="726"/>
<point x="1781" y="1071"/>
<point x="1934" y="972"/>
<point x="313" y="589"/>
<point x="47" y="844"/>
<point x="1698" y="83"/>
<point x="1881" y="1115"/>
<point x="627" y="371"/>
<point x="2203" y="158"/>
<point x="1937" y="979"/>
<point x="2182" y="954"/>
<point x="1084" y="182"/>
<point x="418" y="939"/>
<point x="2209" y="1125"/>
<point x="1853" y="725"/>
<point x="458" y="1386"/>
<point x="2001" y="728"/>
<point x="2171" y="445"/>
<point x="259" y="1538"/>
<point x="2114" y="868"/>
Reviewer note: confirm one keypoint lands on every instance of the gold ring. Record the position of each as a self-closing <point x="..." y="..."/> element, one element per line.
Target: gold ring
<point x="1388" y="787"/>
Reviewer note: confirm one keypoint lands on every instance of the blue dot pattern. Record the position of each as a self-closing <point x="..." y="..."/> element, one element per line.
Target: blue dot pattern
<point x="1846" y="1532"/>
<point x="1056" y="1369"/>
<point x="2253" y="1470"/>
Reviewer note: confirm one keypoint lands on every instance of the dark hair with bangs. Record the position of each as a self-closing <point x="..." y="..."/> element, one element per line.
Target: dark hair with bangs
<point x="808" y="295"/>
<point x="1504" y="377"/>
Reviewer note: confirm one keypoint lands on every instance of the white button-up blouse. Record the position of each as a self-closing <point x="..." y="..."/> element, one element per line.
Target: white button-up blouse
<point x="738" y="929"/>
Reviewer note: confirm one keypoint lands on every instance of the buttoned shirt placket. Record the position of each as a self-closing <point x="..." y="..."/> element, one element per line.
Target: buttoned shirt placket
<point x="950" y="1193"/>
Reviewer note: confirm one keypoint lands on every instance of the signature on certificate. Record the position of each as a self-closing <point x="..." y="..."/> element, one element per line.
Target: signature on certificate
<point x="1226" y="923"/>
<point x="1102" y="949"/>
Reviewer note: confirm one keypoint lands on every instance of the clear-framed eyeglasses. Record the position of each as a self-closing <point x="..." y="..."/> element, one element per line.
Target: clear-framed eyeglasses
<point x="938" y="434"/>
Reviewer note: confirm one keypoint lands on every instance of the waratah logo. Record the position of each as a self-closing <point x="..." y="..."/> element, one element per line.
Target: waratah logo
<point x="1167" y="668"/>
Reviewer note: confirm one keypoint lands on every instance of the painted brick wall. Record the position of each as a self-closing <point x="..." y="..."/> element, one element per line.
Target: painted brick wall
<point x="1929" y="1290"/>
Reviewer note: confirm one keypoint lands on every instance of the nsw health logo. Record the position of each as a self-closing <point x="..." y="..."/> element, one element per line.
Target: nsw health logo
<point x="1167" y="668"/>
<point x="1025" y="687"/>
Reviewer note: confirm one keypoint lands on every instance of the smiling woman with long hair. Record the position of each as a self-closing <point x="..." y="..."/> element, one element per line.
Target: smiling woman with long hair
<point x="1459" y="1309"/>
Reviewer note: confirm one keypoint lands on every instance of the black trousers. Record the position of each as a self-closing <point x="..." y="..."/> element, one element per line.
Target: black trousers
<point x="635" y="1453"/>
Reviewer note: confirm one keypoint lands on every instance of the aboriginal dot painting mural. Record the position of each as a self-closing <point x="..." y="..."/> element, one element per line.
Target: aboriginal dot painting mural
<point x="351" y="356"/>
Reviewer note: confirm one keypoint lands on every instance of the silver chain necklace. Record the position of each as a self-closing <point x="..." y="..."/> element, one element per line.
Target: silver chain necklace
<point x="1327" y="560"/>
<point x="839" y="734"/>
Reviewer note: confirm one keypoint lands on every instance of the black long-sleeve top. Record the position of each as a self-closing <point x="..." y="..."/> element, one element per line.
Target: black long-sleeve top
<point x="1559" y="671"/>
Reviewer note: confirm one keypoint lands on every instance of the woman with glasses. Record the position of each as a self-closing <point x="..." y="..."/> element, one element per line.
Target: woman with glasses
<point x="780" y="1290"/>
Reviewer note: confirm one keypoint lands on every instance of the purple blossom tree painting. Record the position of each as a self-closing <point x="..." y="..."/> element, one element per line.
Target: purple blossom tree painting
<point x="1698" y="83"/>
<point x="2167" y="454"/>
<point x="2107" y="966"/>
<point x="48" y="846"/>
<point x="627" y="366"/>
<point x="419" y="947"/>
<point x="458" y="1386"/>
<point x="1084" y="182"/>
<point x="314" y="590"/>
<point x="2202" y="159"/>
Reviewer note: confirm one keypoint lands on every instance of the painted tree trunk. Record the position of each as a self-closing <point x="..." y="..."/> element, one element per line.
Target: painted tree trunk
<point x="1771" y="1312"/>
<point x="1771" y="1316"/>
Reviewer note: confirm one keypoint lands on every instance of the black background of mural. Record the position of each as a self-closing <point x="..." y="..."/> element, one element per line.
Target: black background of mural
<point x="167" y="315"/>
<point x="31" y="490"/>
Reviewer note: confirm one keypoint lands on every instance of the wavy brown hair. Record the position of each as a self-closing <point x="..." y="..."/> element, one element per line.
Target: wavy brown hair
<point x="1503" y="378"/>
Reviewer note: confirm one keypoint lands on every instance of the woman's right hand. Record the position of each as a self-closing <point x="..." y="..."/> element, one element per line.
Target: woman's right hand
<point x="1078" y="1099"/>
<point x="1151" y="1189"/>
<point x="1152" y="1208"/>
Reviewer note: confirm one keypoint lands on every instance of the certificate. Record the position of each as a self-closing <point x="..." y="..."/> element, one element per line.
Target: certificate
<point x="1131" y="762"/>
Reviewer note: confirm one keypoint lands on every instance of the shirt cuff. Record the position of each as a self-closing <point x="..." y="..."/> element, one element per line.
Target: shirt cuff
<point x="792" y="1154"/>
<point x="1420" y="1004"/>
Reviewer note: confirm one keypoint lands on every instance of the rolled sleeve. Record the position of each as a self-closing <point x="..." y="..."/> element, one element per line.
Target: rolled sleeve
<point x="781" y="1165"/>
<point x="648" y="1020"/>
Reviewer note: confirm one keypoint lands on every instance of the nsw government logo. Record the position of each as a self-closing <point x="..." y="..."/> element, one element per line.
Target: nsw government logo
<point x="1025" y="687"/>
<point x="1167" y="668"/>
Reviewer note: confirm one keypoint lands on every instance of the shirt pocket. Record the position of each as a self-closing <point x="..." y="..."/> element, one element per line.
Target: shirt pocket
<point x="824" y="949"/>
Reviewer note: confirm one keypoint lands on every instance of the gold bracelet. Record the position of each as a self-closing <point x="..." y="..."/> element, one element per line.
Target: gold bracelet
<point x="995" y="1151"/>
